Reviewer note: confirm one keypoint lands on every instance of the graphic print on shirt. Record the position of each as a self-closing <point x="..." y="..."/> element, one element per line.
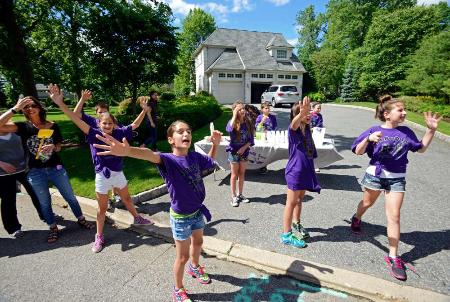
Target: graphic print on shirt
<point x="33" y="145"/>
<point x="392" y="146"/>
<point x="193" y="176"/>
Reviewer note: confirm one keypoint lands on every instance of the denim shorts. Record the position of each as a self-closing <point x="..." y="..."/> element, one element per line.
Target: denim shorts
<point x="182" y="228"/>
<point x="235" y="158"/>
<point x="384" y="184"/>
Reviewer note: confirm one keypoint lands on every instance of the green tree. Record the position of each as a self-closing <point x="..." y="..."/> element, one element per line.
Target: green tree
<point x="132" y="44"/>
<point x="389" y="40"/>
<point x="196" y="27"/>
<point x="309" y="29"/>
<point x="349" y="86"/>
<point x="429" y="68"/>
<point x="328" y="69"/>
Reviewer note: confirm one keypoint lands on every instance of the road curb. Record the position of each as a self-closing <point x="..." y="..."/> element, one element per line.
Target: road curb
<point x="358" y="284"/>
<point x="437" y="134"/>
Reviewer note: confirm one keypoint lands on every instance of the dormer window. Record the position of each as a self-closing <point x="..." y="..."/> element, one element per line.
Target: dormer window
<point x="281" y="54"/>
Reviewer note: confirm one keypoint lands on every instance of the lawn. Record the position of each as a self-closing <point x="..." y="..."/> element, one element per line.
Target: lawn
<point x="444" y="126"/>
<point x="141" y="175"/>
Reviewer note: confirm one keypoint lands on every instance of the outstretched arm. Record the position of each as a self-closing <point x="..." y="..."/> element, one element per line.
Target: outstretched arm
<point x="137" y="122"/>
<point x="85" y="96"/>
<point x="432" y="121"/>
<point x="117" y="148"/>
<point x="304" y="110"/>
<point x="57" y="97"/>
<point x="6" y="116"/>
<point x="215" y="138"/>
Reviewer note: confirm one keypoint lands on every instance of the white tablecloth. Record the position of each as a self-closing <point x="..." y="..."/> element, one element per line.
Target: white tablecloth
<point x="264" y="153"/>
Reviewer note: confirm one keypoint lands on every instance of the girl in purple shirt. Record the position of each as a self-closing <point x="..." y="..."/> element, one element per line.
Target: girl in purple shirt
<point x="108" y="169"/>
<point x="299" y="172"/>
<point x="241" y="131"/>
<point x="387" y="147"/>
<point x="182" y="171"/>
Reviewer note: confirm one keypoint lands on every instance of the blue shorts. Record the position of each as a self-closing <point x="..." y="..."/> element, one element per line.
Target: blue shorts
<point x="182" y="228"/>
<point x="235" y="158"/>
<point x="384" y="184"/>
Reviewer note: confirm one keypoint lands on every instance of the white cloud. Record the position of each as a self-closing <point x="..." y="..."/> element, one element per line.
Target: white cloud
<point x="279" y="2"/>
<point x="241" y="5"/>
<point x="180" y="6"/>
<point x="428" y="2"/>
<point x="293" y="42"/>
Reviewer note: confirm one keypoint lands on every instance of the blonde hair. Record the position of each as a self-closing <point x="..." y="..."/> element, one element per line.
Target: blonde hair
<point x="387" y="103"/>
<point x="237" y="123"/>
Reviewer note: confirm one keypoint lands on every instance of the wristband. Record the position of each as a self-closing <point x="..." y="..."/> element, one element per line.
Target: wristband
<point x="13" y="111"/>
<point x="368" y="138"/>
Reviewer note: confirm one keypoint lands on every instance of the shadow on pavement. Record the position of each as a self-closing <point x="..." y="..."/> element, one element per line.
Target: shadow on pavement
<point x="211" y="231"/>
<point x="342" y="142"/>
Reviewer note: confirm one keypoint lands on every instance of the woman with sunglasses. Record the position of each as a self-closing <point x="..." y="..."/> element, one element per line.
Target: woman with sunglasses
<point x="43" y="160"/>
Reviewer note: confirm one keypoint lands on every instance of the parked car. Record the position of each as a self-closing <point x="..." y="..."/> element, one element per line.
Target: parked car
<point x="280" y="94"/>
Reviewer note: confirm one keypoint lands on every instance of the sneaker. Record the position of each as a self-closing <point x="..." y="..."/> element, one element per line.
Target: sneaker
<point x="98" y="243"/>
<point x="397" y="267"/>
<point x="235" y="201"/>
<point x="18" y="234"/>
<point x="356" y="224"/>
<point x="243" y="199"/>
<point x="180" y="295"/>
<point x="317" y="170"/>
<point x="290" y="239"/>
<point x="139" y="220"/>
<point x="304" y="234"/>
<point x="117" y="198"/>
<point x="198" y="273"/>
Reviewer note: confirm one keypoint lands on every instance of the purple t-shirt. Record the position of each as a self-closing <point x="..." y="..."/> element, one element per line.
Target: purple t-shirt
<point x="391" y="152"/>
<point x="316" y="120"/>
<point x="269" y="124"/>
<point x="183" y="176"/>
<point x="107" y="162"/>
<point x="299" y="170"/>
<point x="235" y="142"/>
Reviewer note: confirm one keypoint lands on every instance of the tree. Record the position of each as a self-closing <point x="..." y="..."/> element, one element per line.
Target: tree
<point x="309" y="28"/>
<point x="196" y="27"/>
<point x="132" y="44"/>
<point x="348" y="86"/>
<point x="389" y="40"/>
<point x="429" y="68"/>
<point x="327" y="66"/>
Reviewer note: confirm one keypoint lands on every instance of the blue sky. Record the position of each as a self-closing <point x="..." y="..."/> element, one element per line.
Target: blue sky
<point x="257" y="15"/>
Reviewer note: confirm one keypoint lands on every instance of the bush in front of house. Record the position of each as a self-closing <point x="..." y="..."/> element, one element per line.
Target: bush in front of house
<point x="197" y="111"/>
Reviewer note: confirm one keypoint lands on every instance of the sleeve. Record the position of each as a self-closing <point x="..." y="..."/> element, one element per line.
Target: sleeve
<point x="91" y="139"/>
<point x="205" y="162"/>
<point x="22" y="130"/>
<point x="414" y="143"/>
<point x="91" y="121"/>
<point x="258" y="120"/>
<point x="229" y="127"/>
<point x="320" y="121"/>
<point x="57" y="136"/>
<point x="362" y="137"/>
<point x="128" y="132"/>
<point x="274" y="122"/>
<point x="162" y="167"/>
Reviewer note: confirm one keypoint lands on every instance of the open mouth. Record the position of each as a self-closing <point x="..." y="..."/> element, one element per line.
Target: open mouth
<point x="186" y="141"/>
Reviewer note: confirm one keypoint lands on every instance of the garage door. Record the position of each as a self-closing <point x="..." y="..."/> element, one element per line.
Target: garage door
<point x="230" y="92"/>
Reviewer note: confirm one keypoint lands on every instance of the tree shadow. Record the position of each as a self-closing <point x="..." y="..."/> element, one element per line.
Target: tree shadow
<point x="277" y="199"/>
<point x="339" y="182"/>
<point x="342" y="142"/>
<point x="272" y="288"/>
<point x="341" y="167"/>
<point x="209" y="229"/>
<point x="425" y="243"/>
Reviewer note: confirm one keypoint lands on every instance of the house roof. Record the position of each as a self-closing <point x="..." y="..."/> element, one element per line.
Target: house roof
<point x="251" y="50"/>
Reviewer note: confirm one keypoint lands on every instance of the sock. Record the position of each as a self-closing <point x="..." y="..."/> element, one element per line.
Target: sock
<point x="392" y="257"/>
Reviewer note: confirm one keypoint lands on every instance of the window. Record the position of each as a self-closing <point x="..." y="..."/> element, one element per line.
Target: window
<point x="281" y="76"/>
<point x="287" y="77"/>
<point x="288" y="88"/>
<point x="230" y="75"/>
<point x="281" y="54"/>
<point x="294" y="77"/>
<point x="273" y="88"/>
<point x="254" y="75"/>
<point x="238" y="75"/>
<point x="221" y="75"/>
<point x="270" y="76"/>
<point x="262" y="75"/>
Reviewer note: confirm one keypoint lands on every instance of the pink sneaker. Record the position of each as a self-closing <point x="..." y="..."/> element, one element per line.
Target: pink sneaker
<point x="139" y="220"/>
<point x="98" y="243"/>
<point x="199" y="273"/>
<point x="180" y="295"/>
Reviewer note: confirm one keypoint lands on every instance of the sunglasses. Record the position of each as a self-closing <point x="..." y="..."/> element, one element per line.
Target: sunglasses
<point x="31" y="106"/>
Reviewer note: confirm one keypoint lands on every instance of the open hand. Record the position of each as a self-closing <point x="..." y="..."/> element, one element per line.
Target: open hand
<point x="216" y="137"/>
<point x="55" y="93"/>
<point x="304" y="107"/>
<point x="7" y="167"/>
<point x="113" y="146"/>
<point x="49" y="148"/>
<point x="85" y="95"/>
<point x="432" y="120"/>
<point x="22" y="103"/>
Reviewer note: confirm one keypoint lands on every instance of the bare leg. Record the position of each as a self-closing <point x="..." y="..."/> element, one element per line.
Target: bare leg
<point x="242" y="168"/>
<point x="102" y="200"/>
<point x="393" y="204"/>
<point x="182" y="248"/>
<point x="291" y="203"/>
<point x="298" y="207"/>
<point x="233" y="178"/>
<point x="369" y="198"/>
<point x="196" y="247"/>
<point x="126" y="199"/>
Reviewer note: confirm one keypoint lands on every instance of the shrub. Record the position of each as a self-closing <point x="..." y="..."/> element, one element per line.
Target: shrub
<point x="167" y="96"/>
<point x="317" y="96"/>
<point x="422" y="104"/>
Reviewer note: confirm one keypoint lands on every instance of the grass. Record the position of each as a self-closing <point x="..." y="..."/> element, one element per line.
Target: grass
<point x="141" y="175"/>
<point x="415" y="117"/>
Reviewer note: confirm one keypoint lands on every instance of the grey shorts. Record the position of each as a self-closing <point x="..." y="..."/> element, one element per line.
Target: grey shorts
<point x="384" y="184"/>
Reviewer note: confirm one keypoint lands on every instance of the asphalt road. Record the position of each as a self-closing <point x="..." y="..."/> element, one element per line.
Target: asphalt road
<point x="425" y="226"/>
<point x="132" y="267"/>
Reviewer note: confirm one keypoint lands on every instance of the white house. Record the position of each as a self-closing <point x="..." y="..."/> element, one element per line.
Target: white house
<point x="236" y="64"/>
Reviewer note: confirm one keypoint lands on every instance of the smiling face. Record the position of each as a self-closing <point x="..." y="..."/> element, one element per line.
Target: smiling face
<point x="106" y="123"/>
<point x="317" y="108"/>
<point x="179" y="136"/>
<point x="35" y="111"/>
<point x="397" y="114"/>
<point x="265" y="110"/>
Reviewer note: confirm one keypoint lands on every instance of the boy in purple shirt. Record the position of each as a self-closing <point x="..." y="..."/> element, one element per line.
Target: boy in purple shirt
<point x="182" y="171"/>
<point x="108" y="169"/>
<point x="299" y="173"/>
<point x="316" y="116"/>
<point x="241" y="131"/>
<point x="387" y="147"/>
<point x="267" y="121"/>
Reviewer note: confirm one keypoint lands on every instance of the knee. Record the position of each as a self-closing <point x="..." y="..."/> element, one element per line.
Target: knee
<point x="183" y="258"/>
<point x="393" y="218"/>
<point x="197" y="242"/>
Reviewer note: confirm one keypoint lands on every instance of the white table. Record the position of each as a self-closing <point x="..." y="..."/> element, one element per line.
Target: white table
<point x="264" y="153"/>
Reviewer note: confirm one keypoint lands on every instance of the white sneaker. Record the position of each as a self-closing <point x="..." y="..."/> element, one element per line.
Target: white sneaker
<point x="18" y="234"/>
<point x="243" y="199"/>
<point x="235" y="201"/>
